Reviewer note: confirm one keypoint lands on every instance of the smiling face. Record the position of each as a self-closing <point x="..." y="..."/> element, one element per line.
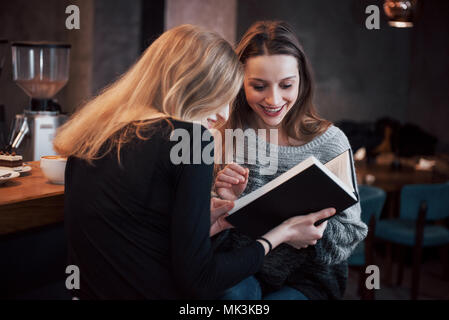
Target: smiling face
<point x="271" y="87"/>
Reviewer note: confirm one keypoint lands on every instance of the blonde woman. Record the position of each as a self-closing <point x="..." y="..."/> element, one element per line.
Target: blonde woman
<point x="138" y="225"/>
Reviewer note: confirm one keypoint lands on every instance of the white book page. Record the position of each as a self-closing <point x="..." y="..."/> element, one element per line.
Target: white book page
<point x="341" y="167"/>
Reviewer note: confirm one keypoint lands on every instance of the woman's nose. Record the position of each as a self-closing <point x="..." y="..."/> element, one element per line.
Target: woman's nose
<point x="274" y="98"/>
<point x="224" y="113"/>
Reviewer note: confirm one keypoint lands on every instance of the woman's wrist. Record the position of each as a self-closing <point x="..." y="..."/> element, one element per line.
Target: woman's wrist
<point x="267" y="242"/>
<point x="265" y="246"/>
<point x="275" y="236"/>
<point x="287" y="232"/>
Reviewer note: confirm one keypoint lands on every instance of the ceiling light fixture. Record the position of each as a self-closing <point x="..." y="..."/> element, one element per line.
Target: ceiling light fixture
<point x="400" y="13"/>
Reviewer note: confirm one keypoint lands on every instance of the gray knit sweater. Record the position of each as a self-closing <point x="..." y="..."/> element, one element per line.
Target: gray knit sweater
<point x="320" y="271"/>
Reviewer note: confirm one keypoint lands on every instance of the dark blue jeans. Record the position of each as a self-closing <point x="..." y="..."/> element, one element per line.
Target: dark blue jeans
<point x="249" y="289"/>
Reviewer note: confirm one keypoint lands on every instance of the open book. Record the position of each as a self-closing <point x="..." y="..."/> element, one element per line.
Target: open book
<point x="308" y="187"/>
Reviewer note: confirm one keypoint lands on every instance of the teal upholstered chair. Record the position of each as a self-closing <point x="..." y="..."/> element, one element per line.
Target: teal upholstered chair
<point x="372" y="200"/>
<point x="421" y="208"/>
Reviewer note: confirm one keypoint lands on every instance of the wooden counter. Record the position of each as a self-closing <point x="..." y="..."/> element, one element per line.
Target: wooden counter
<point x="30" y="201"/>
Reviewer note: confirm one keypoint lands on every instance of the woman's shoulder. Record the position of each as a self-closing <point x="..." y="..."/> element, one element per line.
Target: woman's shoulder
<point x="168" y="127"/>
<point x="332" y="135"/>
<point x="338" y="136"/>
<point x="188" y="142"/>
<point x="191" y="127"/>
<point x="334" y="141"/>
<point x="329" y="144"/>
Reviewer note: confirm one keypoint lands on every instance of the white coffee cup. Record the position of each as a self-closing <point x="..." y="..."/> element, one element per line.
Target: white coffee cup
<point x="53" y="168"/>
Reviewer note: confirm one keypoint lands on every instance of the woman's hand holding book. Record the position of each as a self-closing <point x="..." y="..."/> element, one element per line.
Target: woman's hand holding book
<point x="299" y="231"/>
<point x="303" y="230"/>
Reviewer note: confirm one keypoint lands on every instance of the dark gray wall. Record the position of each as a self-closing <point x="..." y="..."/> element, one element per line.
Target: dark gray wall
<point x="108" y="42"/>
<point x="367" y="74"/>
<point x="428" y="100"/>
<point x="117" y="39"/>
<point x="361" y="74"/>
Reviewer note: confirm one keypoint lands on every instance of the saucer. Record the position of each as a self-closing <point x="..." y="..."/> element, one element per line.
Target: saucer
<point x="6" y="171"/>
<point x="21" y="169"/>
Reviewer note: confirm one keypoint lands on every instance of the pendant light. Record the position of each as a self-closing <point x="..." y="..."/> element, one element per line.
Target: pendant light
<point x="400" y="13"/>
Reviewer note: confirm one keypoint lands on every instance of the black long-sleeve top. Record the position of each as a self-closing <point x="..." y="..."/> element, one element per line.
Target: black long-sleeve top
<point x="140" y="229"/>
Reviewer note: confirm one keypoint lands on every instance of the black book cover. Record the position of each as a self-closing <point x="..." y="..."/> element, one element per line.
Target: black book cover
<point x="309" y="191"/>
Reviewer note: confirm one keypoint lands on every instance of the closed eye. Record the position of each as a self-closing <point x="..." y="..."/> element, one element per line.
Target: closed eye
<point x="259" y="88"/>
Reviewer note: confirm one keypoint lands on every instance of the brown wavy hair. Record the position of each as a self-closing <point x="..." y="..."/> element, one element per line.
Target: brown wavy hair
<point x="274" y="38"/>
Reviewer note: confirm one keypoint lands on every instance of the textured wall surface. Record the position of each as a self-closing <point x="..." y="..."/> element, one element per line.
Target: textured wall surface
<point x="116" y="39"/>
<point x="217" y="15"/>
<point x="360" y="74"/>
<point x="79" y="88"/>
<point x="366" y="74"/>
<point x="107" y="43"/>
<point x="429" y="84"/>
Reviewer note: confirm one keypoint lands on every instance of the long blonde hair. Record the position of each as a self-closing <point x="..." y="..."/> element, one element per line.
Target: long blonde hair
<point x="188" y="73"/>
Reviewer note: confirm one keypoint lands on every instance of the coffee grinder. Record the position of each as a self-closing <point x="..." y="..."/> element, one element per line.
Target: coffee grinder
<point x="41" y="69"/>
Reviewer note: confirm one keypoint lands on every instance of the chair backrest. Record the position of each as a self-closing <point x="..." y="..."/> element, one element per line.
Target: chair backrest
<point x="436" y="197"/>
<point x="372" y="200"/>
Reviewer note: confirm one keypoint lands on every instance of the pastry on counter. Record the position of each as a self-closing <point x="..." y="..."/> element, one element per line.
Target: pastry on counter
<point x="10" y="160"/>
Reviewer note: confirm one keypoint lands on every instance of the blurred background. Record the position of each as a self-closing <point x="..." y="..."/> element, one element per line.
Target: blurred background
<point x="387" y="88"/>
<point x="361" y="74"/>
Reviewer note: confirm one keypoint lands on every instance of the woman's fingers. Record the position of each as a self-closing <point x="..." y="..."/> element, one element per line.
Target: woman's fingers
<point x="323" y="214"/>
<point x="220" y="184"/>
<point x="219" y="225"/>
<point x="322" y="227"/>
<point x="218" y="207"/>
<point x="230" y="176"/>
<point x="217" y="203"/>
<point x="224" y="223"/>
<point x="306" y="233"/>
<point x="237" y="168"/>
<point x="229" y="171"/>
<point x="223" y="177"/>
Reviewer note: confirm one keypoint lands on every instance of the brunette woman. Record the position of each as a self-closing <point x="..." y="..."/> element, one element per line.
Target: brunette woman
<point x="277" y="94"/>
